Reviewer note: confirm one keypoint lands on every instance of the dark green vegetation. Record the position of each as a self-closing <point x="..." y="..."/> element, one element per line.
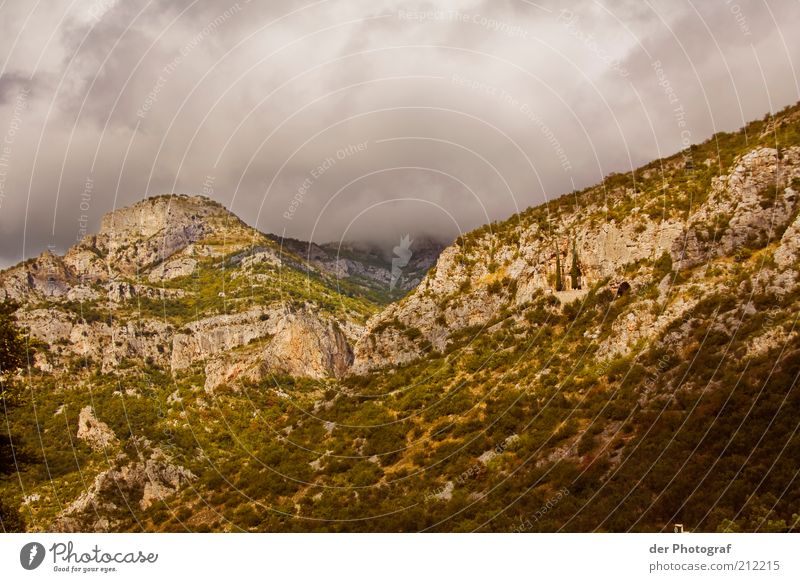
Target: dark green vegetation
<point x="693" y="432"/>
<point x="12" y="357"/>
<point x="695" y="426"/>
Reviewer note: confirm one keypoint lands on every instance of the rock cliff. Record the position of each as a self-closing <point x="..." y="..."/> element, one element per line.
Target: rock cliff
<point x="750" y="205"/>
<point x="126" y="295"/>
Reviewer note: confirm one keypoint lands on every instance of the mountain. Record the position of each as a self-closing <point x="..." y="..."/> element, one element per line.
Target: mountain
<point x="623" y="358"/>
<point x="175" y="280"/>
<point x="383" y="276"/>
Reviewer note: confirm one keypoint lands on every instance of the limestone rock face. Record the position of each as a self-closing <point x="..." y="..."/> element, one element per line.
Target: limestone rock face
<point x="786" y="254"/>
<point x="253" y="365"/>
<point x="82" y="294"/>
<point x="299" y="343"/>
<point x="462" y="291"/>
<point x="751" y="204"/>
<point x="46" y="277"/>
<point x="162" y="478"/>
<point x="306" y="345"/>
<point x="86" y="262"/>
<point x="149" y="478"/>
<point x="232" y="346"/>
<point x="261" y="256"/>
<point x="107" y="343"/>
<point x="122" y="291"/>
<point x="380" y="349"/>
<point x="232" y="371"/>
<point x="51" y="326"/>
<point x="180" y="267"/>
<point x="151" y="231"/>
<point x="748" y="205"/>
<point x="95" y="433"/>
<point x="214" y="335"/>
<point x="643" y="322"/>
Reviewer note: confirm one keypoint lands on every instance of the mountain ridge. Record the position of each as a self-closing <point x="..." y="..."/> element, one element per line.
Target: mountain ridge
<point x="608" y="349"/>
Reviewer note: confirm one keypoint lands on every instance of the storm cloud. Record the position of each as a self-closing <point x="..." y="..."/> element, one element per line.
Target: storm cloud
<point x="362" y="119"/>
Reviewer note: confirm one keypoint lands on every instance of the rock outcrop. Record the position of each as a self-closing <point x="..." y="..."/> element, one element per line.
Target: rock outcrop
<point x="106" y="343"/>
<point x="640" y="324"/>
<point x="749" y="206"/>
<point x="140" y="483"/>
<point x="305" y="345"/>
<point x="95" y="433"/>
<point x="788" y="251"/>
<point x="45" y="277"/>
<point x="180" y="267"/>
<point x="297" y="343"/>
<point x="214" y="335"/>
<point x="232" y="371"/>
<point x="132" y="239"/>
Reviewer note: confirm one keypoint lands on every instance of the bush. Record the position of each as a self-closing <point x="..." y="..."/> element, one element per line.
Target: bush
<point x="10" y="519"/>
<point x="662" y="267"/>
<point x="572" y="310"/>
<point x="587" y="443"/>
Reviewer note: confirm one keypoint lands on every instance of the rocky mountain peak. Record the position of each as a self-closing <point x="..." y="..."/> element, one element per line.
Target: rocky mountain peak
<point x="157" y="214"/>
<point x="156" y="228"/>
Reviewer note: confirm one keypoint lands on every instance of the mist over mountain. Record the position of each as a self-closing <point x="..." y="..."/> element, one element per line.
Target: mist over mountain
<point x="626" y="357"/>
<point x="362" y="120"/>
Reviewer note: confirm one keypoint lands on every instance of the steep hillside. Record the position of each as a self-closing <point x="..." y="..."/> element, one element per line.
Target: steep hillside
<point x="729" y="197"/>
<point x="178" y="280"/>
<point x="623" y="358"/>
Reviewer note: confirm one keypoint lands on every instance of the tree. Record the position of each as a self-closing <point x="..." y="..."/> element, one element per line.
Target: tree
<point x="575" y="270"/>
<point x="12" y="346"/>
<point x="12" y="357"/>
<point x="559" y="279"/>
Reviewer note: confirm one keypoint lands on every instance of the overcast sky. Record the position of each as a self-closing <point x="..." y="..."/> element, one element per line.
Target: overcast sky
<point x="362" y="118"/>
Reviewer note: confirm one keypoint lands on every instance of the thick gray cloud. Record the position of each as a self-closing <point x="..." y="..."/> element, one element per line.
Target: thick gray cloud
<point x="362" y="118"/>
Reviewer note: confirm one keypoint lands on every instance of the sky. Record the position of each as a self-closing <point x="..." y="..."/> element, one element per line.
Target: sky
<point x="338" y="120"/>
